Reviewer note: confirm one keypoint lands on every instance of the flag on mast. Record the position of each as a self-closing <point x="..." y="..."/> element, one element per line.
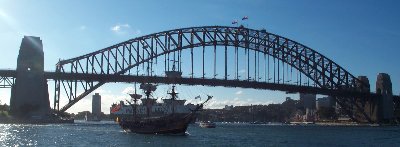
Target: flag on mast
<point x="234" y="22"/>
<point x="245" y="17"/>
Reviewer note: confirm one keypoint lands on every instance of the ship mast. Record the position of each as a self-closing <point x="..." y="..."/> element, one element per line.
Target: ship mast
<point x="174" y="95"/>
<point x="148" y="89"/>
<point x="135" y="97"/>
<point x="147" y="93"/>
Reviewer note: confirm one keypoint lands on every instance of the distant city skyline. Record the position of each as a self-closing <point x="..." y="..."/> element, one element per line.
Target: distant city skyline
<point x="361" y="36"/>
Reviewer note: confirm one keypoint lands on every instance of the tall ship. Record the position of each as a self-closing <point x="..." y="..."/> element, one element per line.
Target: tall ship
<point x="123" y="110"/>
<point x="151" y="117"/>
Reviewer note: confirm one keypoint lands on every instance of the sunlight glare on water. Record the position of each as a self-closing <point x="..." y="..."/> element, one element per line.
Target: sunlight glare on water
<point x="110" y="134"/>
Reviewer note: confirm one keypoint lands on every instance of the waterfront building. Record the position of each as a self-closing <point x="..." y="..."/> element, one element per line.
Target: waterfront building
<point x="227" y="107"/>
<point x="308" y="101"/>
<point x="325" y="102"/>
<point x="96" y="104"/>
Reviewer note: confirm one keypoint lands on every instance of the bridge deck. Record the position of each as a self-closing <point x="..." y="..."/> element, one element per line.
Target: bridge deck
<point x="200" y="81"/>
<point x="8" y="73"/>
<point x="192" y="81"/>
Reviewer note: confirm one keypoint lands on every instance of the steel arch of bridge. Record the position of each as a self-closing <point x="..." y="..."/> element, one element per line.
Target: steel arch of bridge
<point x="120" y="58"/>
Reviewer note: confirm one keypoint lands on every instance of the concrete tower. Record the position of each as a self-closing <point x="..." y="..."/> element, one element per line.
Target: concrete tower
<point x="364" y="86"/>
<point x="370" y="105"/>
<point x="96" y="104"/>
<point x="384" y="87"/>
<point x="29" y="95"/>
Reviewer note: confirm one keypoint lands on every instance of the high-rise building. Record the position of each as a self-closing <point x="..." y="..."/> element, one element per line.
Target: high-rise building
<point x="307" y="101"/>
<point x="96" y="104"/>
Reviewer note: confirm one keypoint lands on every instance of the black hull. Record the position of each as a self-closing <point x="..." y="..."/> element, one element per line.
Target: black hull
<point x="176" y="131"/>
<point x="172" y="124"/>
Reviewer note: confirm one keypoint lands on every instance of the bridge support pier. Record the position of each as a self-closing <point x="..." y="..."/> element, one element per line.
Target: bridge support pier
<point x="29" y="96"/>
<point x="366" y="113"/>
<point x="379" y="109"/>
<point x="385" y="103"/>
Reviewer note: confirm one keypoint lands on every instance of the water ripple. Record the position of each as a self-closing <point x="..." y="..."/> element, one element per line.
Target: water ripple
<point x="109" y="134"/>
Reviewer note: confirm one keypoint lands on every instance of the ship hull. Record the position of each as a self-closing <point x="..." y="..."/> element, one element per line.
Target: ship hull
<point x="172" y="124"/>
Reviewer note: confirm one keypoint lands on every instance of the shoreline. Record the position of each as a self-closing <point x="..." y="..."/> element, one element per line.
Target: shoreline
<point x="9" y="120"/>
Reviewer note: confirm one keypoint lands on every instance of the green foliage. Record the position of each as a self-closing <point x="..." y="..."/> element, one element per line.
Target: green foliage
<point x="3" y="113"/>
<point x="4" y="107"/>
<point x="4" y="110"/>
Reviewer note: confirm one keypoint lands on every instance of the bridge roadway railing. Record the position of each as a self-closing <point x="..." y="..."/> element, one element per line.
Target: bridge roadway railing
<point x="8" y="73"/>
<point x="110" y="78"/>
<point x="7" y="78"/>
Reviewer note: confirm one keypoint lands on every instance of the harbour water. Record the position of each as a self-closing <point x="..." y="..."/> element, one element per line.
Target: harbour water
<point x="109" y="134"/>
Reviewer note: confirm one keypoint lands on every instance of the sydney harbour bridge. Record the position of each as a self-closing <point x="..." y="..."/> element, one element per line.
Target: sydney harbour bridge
<point x="215" y="56"/>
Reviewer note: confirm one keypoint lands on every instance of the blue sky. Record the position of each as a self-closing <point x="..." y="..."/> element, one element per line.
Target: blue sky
<point x="362" y="35"/>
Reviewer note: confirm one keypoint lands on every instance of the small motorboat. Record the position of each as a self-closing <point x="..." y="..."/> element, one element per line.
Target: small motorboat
<point x="207" y="124"/>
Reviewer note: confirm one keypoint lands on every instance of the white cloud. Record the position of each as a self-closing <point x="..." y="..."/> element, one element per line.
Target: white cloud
<point x="125" y="29"/>
<point x="239" y="92"/>
<point x="120" y="28"/>
<point x="107" y="98"/>
<point x="216" y="103"/>
<point x="128" y="90"/>
<point x="116" y="28"/>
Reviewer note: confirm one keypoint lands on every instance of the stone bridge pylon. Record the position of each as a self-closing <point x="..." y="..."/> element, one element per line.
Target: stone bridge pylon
<point x="29" y="94"/>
